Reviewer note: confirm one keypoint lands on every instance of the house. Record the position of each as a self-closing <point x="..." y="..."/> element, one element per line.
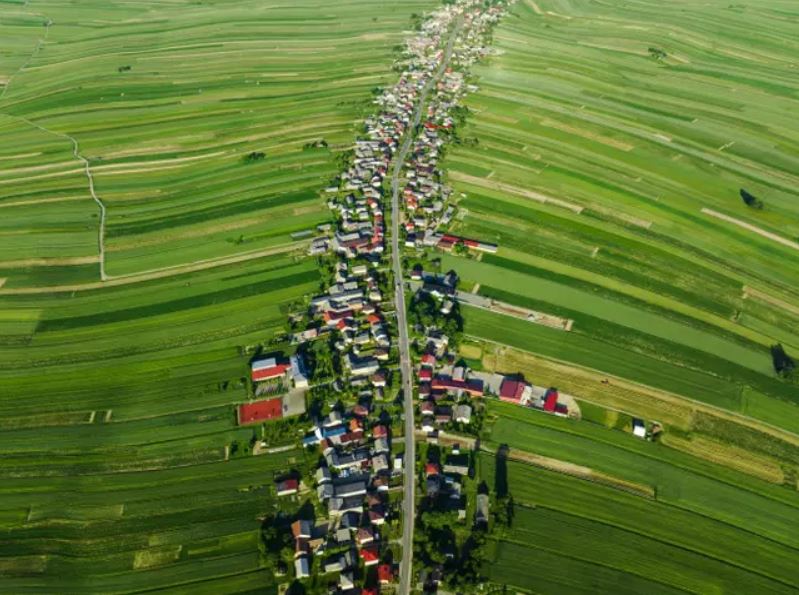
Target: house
<point x="377" y="516"/>
<point x="365" y="535"/>
<point x="481" y="510"/>
<point x="551" y="400"/>
<point x="381" y="445"/>
<point x="334" y="564"/>
<point x="298" y="373"/>
<point x="457" y="464"/>
<point x="287" y="487"/>
<point x="301" y="548"/>
<point x="380" y="431"/>
<point x="343" y="536"/>
<point x="431" y="469"/>
<point x="385" y="574"/>
<point x="301" y="529"/>
<point x="325" y="491"/>
<point x="350" y="520"/>
<point x="639" y="428"/>
<point x="432" y="486"/>
<point x="302" y="567"/>
<point x="370" y="556"/>
<point x="338" y="506"/>
<point x="462" y="414"/>
<point x="323" y="474"/>
<point x="443" y="415"/>
<point x="267" y="369"/>
<point x="349" y="488"/>
<point x="512" y="390"/>
<point x="346" y="581"/>
<point x="380" y="483"/>
<point x="379" y="463"/>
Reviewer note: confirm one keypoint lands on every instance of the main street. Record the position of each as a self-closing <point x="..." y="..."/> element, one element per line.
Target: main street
<point x="406" y="368"/>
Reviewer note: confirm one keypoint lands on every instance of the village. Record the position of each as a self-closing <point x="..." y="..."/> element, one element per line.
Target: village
<point x="358" y="434"/>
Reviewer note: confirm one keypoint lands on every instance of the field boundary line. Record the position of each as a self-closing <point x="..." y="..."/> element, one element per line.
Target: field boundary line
<point x="45" y="261"/>
<point x="769" y="299"/>
<point x="158" y="273"/>
<point x="87" y="169"/>
<point x="42" y="40"/>
<point x="531" y="194"/>
<point x="751" y="422"/>
<point x="753" y="228"/>
<point x="577" y="471"/>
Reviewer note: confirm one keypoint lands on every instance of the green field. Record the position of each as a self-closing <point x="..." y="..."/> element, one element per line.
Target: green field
<point x="603" y="533"/>
<point x="123" y="468"/>
<point x="117" y="407"/>
<point x="598" y="134"/>
<point x="166" y="100"/>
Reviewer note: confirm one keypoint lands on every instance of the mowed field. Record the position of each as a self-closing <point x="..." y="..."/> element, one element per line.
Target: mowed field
<point x="703" y="529"/>
<point x="117" y="398"/>
<point x="604" y="153"/>
<point x="117" y="407"/>
<point x="165" y="101"/>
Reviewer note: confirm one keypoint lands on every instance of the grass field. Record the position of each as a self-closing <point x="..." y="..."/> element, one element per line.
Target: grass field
<point x="117" y="408"/>
<point x="587" y="538"/>
<point x="593" y="182"/>
<point x="605" y="534"/>
<point x="165" y="101"/>
<point x="120" y="469"/>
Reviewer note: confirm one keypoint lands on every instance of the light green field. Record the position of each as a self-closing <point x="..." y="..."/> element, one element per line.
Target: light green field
<point x="117" y="402"/>
<point x="589" y="159"/>
<point x="605" y="530"/>
<point x="165" y="100"/>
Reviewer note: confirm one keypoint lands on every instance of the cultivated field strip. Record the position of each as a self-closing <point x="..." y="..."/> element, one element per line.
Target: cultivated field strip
<point x="604" y="153"/>
<point x="693" y="498"/>
<point x="118" y="397"/>
<point x="166" y="101"/>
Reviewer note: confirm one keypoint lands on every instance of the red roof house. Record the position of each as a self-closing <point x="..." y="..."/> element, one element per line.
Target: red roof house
<point x="287" y="487"/>
<point x="385" y="573"/>
<point x="511" y="390"/>
<point x="551" y="400"/>
<point x="266" y="369"/>
<point x="369" y="556"/>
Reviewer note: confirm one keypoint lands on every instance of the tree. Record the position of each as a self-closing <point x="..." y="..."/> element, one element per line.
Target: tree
<point x="254" y="157"/>
<point x="783" y="363"/>
<point x="750" y="200"/>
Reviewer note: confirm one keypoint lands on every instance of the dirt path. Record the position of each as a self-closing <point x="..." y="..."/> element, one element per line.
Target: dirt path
<point x="158" y="273"/>
<point x="536" y="196"/>
<point x="43" y="262"/>
<point x="753" y="228"/>
<point x="770" y="299"/>
<point x="87" y="170"/>
<point x="578" y="471"/>
<point x="42" y="40"/>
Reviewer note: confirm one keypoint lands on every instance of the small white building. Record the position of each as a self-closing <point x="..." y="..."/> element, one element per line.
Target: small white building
<point x="302" y="569"/>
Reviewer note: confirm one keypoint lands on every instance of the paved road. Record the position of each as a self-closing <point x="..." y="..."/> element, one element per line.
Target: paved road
<point x="409" y="514"/>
